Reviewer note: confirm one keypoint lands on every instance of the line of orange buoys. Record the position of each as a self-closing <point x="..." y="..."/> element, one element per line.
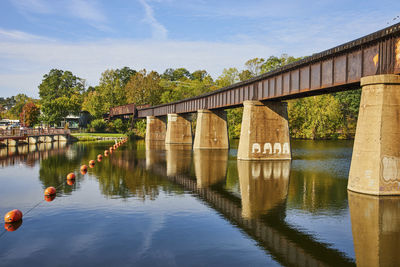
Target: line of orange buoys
<point x="13" y="219"/>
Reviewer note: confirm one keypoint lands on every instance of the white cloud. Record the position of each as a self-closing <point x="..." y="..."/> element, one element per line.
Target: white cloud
<point x="29" y="61"/>
<point x="158" y="30"/>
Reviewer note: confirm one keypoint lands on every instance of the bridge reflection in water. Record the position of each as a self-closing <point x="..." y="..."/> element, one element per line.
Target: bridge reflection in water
<point x="30" y="153"/>
<point x="376" y="229"/>
<point x="260" y="209"/>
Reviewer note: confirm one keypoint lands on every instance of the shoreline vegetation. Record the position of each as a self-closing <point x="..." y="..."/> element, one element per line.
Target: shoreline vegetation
<point x="327" y="116"/>
<point x="86" y="137"/>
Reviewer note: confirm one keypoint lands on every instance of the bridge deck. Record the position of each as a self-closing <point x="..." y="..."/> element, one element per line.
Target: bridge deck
<point x="17" y="134"/>
<point x="339" y="68"/>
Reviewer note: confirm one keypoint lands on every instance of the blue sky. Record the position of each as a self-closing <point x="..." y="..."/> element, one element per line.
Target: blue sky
<point x="90" y="36"/>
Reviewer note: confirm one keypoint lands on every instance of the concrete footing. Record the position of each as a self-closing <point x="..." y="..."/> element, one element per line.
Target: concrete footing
<point x="211" y="130"/>
<point x="375" y="164"/>
<point x="265" y="132"/>
<point x="179" y="130"/>
<point x="155" y="129"/>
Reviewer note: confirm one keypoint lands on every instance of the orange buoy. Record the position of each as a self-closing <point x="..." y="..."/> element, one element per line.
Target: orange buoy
<point x="70" y="181"/>
<point x="83" y="172"/>
<point x="11" y="227"/>
<point x="92" y="162"/>
<point x="84" y="167"/>
<point x="71" y="176"/>
<point x="50" y="191"/>
<point x="50" y="198"/>
<point x="13" y="216"/>
<point x="99" y="159"/>
<point x="106" y="153"/>
<point x="100" y="156"/>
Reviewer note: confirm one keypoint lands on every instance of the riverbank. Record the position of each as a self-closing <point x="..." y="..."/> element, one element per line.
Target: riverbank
<point x="80" y="137"/>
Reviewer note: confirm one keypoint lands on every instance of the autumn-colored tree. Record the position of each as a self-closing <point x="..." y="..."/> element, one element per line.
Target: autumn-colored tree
<point x="30" y="114"/>
<point x="144" y="88"/>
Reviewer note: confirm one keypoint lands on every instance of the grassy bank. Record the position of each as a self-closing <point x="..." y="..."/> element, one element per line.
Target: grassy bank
<point x="96" y="136"/>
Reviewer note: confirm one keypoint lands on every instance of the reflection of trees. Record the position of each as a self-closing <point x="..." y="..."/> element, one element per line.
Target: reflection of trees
<point x="118" y="174"/>
<point x="314" y="191"/>
<point x="54" y="169"/>
<point x="121" y="176"/>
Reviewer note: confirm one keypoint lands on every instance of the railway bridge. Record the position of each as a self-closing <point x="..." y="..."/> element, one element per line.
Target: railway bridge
<point x="371" y="62"/>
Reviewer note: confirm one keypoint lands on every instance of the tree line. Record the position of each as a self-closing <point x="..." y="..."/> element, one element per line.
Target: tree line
<point x="62" y="93"/>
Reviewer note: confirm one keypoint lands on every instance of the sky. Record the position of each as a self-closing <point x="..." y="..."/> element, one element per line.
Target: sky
<point x="87" y="37"/>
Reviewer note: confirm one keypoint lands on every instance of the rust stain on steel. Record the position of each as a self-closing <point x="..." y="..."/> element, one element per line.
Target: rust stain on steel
<point x="376" y="59"/>
<point x="398" y="53"/>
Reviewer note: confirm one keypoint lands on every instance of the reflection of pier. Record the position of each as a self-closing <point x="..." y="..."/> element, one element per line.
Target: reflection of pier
<point x="264" y="187"/>
<point x="376" y="229"/>
<point x="29" y="154"/>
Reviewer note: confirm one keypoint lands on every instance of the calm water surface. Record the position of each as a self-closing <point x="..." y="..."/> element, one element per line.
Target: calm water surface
<point x="169" y="206"/>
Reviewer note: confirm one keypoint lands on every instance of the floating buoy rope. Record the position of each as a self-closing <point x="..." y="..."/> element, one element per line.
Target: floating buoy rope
<point x="13" y="218"/>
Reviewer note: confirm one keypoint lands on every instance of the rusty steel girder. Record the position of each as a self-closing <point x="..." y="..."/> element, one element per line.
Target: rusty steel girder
<point x="339" y="68"/>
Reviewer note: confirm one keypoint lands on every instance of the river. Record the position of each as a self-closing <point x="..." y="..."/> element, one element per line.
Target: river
<point x="169" y="206"/>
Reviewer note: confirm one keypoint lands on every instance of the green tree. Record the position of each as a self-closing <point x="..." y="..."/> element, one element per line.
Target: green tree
<point x="19" y="102"/>
<point x="144" y="88"/>
<point x="349" y="102"/>
<point x="60" y="95"/>
<point x="94" y="104"/>
<point x="125" y="75"/>
<point x="274" y="62"/>
<point x="316" y="117"/>
<point x="254" y="65"/>
<point x="228" y="77"/>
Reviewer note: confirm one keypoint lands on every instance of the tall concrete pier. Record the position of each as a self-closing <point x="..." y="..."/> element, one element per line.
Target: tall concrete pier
<point x="211" y="130"/>
<point x="155" y="129"/>
<point x="375" y="165"/>
<point x="179" y="130"/>
<point x="265" y="131"/>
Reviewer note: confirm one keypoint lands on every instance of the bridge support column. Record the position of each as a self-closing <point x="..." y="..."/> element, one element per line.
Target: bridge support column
<point x="63" y="138"/>
<point x="265" y="132"/>
<point x="33" y="140"/>
<point x="179" y="130"/>
<point x="375" y="164"/>
<point x="155" y="129"/>
<point x="48" y="139"/>
<point x="211" y="130"/>
<point x="12" y="142"/>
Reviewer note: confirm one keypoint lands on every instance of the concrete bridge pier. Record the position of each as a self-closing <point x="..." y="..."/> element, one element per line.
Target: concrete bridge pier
<point x="63" y="138"/>
<point x="375" y="164"/>
<point x="211" y="130"/>
<point x="265" y="132"/>
<point x="155" y="129"/>
<point x="49" y="139"/>
<point x="179" y="130"/>
<point x="33" y="140"/>
<point x="11" y="142"/>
